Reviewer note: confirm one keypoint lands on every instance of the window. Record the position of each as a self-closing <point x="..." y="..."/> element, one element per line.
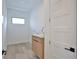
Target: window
<point x="18" y="21"/>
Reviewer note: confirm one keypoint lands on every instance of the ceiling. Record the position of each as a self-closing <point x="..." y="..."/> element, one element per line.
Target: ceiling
<point x="23" y="5"/>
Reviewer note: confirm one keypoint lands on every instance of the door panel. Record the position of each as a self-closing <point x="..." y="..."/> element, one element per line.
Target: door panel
<point x="63" y="28"/>
<point x="61" y="52"/>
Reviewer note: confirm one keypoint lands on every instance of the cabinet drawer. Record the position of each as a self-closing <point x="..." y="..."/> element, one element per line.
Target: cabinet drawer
<point x="37" y="39"/>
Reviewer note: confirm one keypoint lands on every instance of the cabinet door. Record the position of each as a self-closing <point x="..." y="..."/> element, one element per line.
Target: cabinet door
<point x="38" y="47"/>
<point x="63" y="29"/>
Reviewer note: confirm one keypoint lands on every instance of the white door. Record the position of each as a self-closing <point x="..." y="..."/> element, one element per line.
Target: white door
<point x="62" y="29"/>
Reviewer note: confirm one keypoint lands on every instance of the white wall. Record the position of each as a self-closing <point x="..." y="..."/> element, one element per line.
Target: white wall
<point x="37" y="20"/>
<point x="4" y="25"/>
<point x="40" y="19"/>
<point x="18" y="33"/>
<point x="4" y="29"/>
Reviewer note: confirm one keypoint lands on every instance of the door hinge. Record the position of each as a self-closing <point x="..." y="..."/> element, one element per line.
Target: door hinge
<point x="49" y="20"/>
<point x="49" y="42"/>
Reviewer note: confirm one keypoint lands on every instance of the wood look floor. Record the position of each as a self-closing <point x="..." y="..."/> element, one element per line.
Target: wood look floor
<point x="19" y="51"/>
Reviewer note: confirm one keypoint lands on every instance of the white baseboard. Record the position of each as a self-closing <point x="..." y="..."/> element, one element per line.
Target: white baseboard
<point x="19" y="43"/>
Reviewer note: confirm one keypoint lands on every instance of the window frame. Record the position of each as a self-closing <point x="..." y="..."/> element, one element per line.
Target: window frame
<point x="16" y="22"/>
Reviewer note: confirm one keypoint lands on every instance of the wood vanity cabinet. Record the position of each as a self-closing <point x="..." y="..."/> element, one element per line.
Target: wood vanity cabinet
<point x="38" y="46"/>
